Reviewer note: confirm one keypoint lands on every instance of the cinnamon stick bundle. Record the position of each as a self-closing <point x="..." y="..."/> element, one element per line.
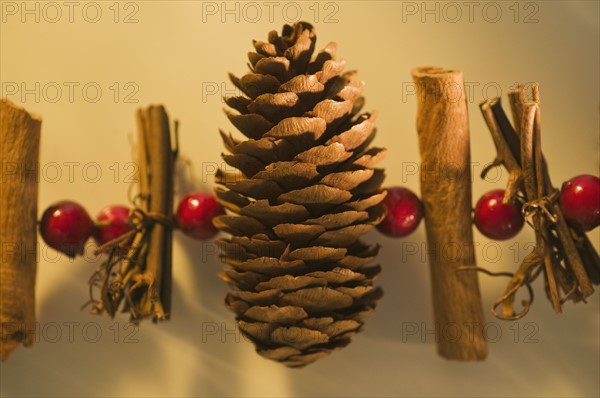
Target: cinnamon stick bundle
<point x="19" y="151"/>
<point x="143" y="275"/>
<point x="443" y="130"/>
<point x="563" y="254"/>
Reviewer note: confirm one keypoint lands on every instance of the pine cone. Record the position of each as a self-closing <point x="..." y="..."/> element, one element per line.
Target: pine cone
<point x="304" y="194"/>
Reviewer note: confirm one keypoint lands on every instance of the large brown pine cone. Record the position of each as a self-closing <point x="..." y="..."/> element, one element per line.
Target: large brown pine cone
<point x="305" y="192"/>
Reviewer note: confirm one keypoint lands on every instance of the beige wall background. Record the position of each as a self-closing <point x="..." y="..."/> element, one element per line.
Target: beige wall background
<point x="118" y="56"/>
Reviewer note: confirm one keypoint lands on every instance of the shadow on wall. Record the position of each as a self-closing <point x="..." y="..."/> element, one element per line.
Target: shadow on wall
<point x="198" y="352"/>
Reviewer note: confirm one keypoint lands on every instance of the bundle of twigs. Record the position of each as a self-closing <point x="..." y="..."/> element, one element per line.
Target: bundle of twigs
<point x="138" y="268"/>
<point x="563" y="253"/>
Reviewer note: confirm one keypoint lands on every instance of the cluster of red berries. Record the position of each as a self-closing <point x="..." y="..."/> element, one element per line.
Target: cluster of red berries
<point x="66" y="226"/>
<point x="579" y="202"/>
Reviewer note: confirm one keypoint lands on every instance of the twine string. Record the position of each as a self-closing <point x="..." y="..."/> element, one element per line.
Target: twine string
<point x="540" y="207"/>
<point x="141" y="221"/>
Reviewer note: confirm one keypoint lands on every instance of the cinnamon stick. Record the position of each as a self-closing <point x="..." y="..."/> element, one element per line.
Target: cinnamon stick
<point x="157" y="301"/>
<point x="573" y="257"/>
<point x="19" y="150"/>
<point x="443" y="131"/>
<point x="505" y="155"/>
<point x="535" y="189"/>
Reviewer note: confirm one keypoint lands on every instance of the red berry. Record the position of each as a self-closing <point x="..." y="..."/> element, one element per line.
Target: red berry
<point x="195" y="213"/>
<point x="111" y="222"/>
<point x="404" y="212"/>
<point x="580" y="201"/>
<point x="66" y="226"/>
<point x="497" y="220"/>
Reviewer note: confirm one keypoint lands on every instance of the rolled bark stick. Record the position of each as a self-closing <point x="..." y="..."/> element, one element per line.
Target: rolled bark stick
<point x="159" y="185"/>
<point x="443" y="130"/>
<point x="19" y="150"/>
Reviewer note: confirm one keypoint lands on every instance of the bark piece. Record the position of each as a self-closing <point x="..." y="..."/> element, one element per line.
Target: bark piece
<point x="19" y="150"/>
<point x="443" y="131"/>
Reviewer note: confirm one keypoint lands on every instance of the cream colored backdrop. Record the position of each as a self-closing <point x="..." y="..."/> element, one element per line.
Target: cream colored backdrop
<point x="87" y="66"/>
